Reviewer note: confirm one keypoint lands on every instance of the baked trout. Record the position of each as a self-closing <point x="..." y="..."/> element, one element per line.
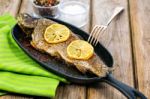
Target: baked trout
<point x="36" y="28"/>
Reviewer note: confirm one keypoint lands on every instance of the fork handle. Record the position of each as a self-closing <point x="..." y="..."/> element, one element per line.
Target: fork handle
<point x="115" y="13"/>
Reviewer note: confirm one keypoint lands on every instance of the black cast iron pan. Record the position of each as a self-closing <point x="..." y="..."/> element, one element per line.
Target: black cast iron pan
<point x="70" y="73"/>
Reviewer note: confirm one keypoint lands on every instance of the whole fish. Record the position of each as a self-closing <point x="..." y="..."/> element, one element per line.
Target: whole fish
<point x="36" y="27"/>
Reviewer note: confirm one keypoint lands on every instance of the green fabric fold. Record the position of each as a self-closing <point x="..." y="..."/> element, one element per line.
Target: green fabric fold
<point x="2" y="93"/>
<point x="19" y="73"/>
<point x="30" y="85"/>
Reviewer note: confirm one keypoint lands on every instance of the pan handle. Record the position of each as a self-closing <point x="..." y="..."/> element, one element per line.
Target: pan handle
<point x="128" y="91"/>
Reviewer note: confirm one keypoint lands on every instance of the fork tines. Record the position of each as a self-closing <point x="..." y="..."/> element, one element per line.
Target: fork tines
<point x="94" y="35"/>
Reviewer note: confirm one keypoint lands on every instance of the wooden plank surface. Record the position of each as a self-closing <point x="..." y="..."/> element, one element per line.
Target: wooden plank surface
<point x="64" y="91"/>
<point x="140" y="27"/>
<point x="117" y="41"/>
<point x="11" y="6"/>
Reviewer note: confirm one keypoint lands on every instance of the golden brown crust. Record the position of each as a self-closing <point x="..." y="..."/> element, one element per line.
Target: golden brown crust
<point x="94" y="64"/>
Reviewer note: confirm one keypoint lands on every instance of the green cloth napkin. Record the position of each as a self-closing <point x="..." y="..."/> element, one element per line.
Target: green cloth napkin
<point x="19" y="73"/>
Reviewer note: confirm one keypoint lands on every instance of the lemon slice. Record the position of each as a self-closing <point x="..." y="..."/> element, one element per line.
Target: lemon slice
<point x="80" y="49"/>
<point x="56" y="33"/>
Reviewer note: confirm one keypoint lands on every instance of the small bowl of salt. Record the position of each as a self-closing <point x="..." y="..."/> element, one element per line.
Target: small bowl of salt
<point x="74" y="12"/>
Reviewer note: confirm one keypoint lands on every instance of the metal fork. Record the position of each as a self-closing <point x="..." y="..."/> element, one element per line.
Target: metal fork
<point x="99" y="29"/>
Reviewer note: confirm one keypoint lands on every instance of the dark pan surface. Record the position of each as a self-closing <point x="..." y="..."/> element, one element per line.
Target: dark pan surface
<point x="56" y="66"/>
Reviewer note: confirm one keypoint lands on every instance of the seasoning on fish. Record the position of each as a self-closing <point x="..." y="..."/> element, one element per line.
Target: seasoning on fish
<point x="93" y="65"/>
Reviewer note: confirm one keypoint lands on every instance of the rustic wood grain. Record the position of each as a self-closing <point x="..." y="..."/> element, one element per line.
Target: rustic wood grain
<point x="15" y="97"/>
<point x="63" y="91"/>
<point x="11" y="6"/>
<point x="117" y="40"/>
<point x="140" y="27"/>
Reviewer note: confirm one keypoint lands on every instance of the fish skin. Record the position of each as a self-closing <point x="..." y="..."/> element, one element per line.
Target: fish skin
<point x="93" y="65"/>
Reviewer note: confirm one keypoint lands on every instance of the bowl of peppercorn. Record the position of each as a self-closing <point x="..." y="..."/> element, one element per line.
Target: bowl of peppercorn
<point x="46" y="8"/>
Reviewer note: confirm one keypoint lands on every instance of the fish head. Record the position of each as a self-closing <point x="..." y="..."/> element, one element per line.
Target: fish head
<point x="27" y="23"/>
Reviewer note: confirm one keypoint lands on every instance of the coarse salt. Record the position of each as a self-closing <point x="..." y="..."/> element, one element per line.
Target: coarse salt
<point x="73" y="9"/>
<point x="74" y="13"/>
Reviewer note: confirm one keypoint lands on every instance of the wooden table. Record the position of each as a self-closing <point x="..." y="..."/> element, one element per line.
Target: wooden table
<point x="127" y="38"/>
